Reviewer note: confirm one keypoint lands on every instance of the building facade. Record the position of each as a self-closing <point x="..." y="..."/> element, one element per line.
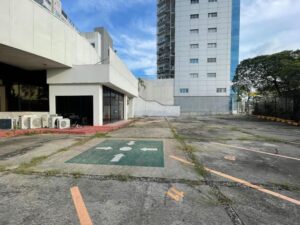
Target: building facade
<point x="206" y="53"/>
<point x="46" y="65"/>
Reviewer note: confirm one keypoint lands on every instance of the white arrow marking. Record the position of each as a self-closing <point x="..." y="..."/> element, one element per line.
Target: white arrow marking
<point x="125" y="149"/>
<point x="104" y="148"/>
<point x="117" y="158"/>
<point x="149" y="149"/>
<point x="131" y="143"/>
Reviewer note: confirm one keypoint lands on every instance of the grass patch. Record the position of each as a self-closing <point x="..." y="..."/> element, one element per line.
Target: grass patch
<point x="2" y="168"/>
<point x="34" y="162"/>
<point x="287" y="186"/>
<point x="120" y="177"/>
<point x="100" y="135"/>
<point x="51" y="173"/>
<point x="76" y="174"/>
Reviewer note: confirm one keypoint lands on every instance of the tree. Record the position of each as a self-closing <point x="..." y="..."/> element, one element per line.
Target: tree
<point x="277" y="74"/>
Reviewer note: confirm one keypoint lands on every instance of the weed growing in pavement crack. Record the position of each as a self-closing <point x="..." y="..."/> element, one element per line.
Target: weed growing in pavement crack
<point x="189" y="150"/>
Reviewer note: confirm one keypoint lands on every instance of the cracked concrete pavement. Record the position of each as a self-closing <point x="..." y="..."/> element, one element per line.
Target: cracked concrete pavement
<point x="39" y="193"/>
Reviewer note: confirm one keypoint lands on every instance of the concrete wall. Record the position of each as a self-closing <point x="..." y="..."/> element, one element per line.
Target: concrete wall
<point x="152" y="108"/>
<point x="94" y="38"/>
<point x="79" y="90"/>
<point x="27" y="26"/>
<point x="204" y="105"/>
<point x="114" y="75"/>
<point x="107" y="44"/>
<point x="161" y="91"/>
<point x="120" y="77"/>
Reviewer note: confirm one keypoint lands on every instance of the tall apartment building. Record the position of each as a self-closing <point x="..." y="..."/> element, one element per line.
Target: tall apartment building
<point x="198" y="46"/>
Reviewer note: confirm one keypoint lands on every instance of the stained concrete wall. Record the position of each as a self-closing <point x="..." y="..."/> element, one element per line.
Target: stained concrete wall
<point x="161" y="91"/>
<point x="204" y="105"/>
<point x="152" y="108"/>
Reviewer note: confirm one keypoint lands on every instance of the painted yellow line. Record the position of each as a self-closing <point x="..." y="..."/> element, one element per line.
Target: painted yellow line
<point x="257" y="151"/>
<point x="82" y="212"/>
<point x="181" y="160"/>
<point x="246" y="183"/>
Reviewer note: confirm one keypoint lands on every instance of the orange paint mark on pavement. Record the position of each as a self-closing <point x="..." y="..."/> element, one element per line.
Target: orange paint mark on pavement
<point x="82" y="212"/>
<point x="257" y="151"/>
<point x="230" y="157"/>
<point x="181" y="160"/>
<point x="175" y="194"/>
<point x="246" y="183"/>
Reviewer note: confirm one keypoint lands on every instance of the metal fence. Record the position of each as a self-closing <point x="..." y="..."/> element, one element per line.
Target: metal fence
<point x="281" y="107"/>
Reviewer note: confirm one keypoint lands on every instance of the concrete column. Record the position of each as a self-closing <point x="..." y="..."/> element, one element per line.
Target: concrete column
<point x="98" y="107"/>
<point x="52" y="100"/>
<point x="125" y="107"/>
<point x="131" y="108"/>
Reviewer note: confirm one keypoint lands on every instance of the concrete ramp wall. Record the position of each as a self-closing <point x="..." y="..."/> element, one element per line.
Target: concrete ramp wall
<point x="152" y="108"/>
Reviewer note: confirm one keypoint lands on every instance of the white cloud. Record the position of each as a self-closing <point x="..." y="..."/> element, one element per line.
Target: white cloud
<point x="138" y="53"/>
<point x="269" y="26"/>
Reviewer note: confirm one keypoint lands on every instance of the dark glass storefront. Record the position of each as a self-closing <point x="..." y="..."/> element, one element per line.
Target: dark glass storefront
<point x="22" y="90"/>
<point x="113" y="106"/>
<point x="79" y="109"/>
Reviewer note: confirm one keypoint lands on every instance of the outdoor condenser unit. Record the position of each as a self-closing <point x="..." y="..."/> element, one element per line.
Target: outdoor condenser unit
<point x="7" y="124"/>
<point x="45" y="121"/>
<point x="64" y="123"/>
<point x="53" y="121"/>
<point x="35" y="122"/>
<point x="25" y="122"/>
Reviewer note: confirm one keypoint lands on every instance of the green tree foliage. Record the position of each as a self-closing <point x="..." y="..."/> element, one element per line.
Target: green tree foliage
<point x="277" y="74"/>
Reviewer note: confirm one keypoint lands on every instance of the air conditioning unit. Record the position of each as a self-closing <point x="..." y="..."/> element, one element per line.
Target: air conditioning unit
<point x="25" y="122"/>
<point x="53" y="121"/>
<point x="7" y="124"/>
<point x="64" y="123"/>
<point x="35" y="122"/>
<point x="45" y="121"/>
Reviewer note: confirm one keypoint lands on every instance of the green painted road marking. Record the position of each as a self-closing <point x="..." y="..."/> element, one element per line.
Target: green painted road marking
<point x="123" y="153"/>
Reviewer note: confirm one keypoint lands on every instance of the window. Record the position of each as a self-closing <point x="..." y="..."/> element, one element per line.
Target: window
<point x="194" y="61"/>
<point x="214" y="14"/>
<point x="212" y="0"/>
<point x="212" y="30"/>
<point x="194" y="31"/>
<point x="184" y="90"/>
<point x="194" y="1"/>
<point x="212" y="45"/>
<point x="194" y="16"/>
<point x="211" y="75"/>
<point x="194" y="75"/>
<point x="221" y="90"/>
<point x="194" y="45"/>
<point x="211" y="60"/>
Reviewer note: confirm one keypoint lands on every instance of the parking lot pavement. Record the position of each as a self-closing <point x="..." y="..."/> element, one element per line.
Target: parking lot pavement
<point x="44" y="200"/>
<point x="123" y="177"/>
<point x="232" y="146"/>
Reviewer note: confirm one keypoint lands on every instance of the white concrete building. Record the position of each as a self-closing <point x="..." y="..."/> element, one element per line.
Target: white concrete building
<point x="46" y="65"/>
<point x="202" y="46"/>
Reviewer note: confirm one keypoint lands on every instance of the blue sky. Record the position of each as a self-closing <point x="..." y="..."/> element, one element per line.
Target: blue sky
<point x="267" y="26"/>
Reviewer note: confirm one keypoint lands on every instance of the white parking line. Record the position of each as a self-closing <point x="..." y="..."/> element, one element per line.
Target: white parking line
<point x="257" y="151"/>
